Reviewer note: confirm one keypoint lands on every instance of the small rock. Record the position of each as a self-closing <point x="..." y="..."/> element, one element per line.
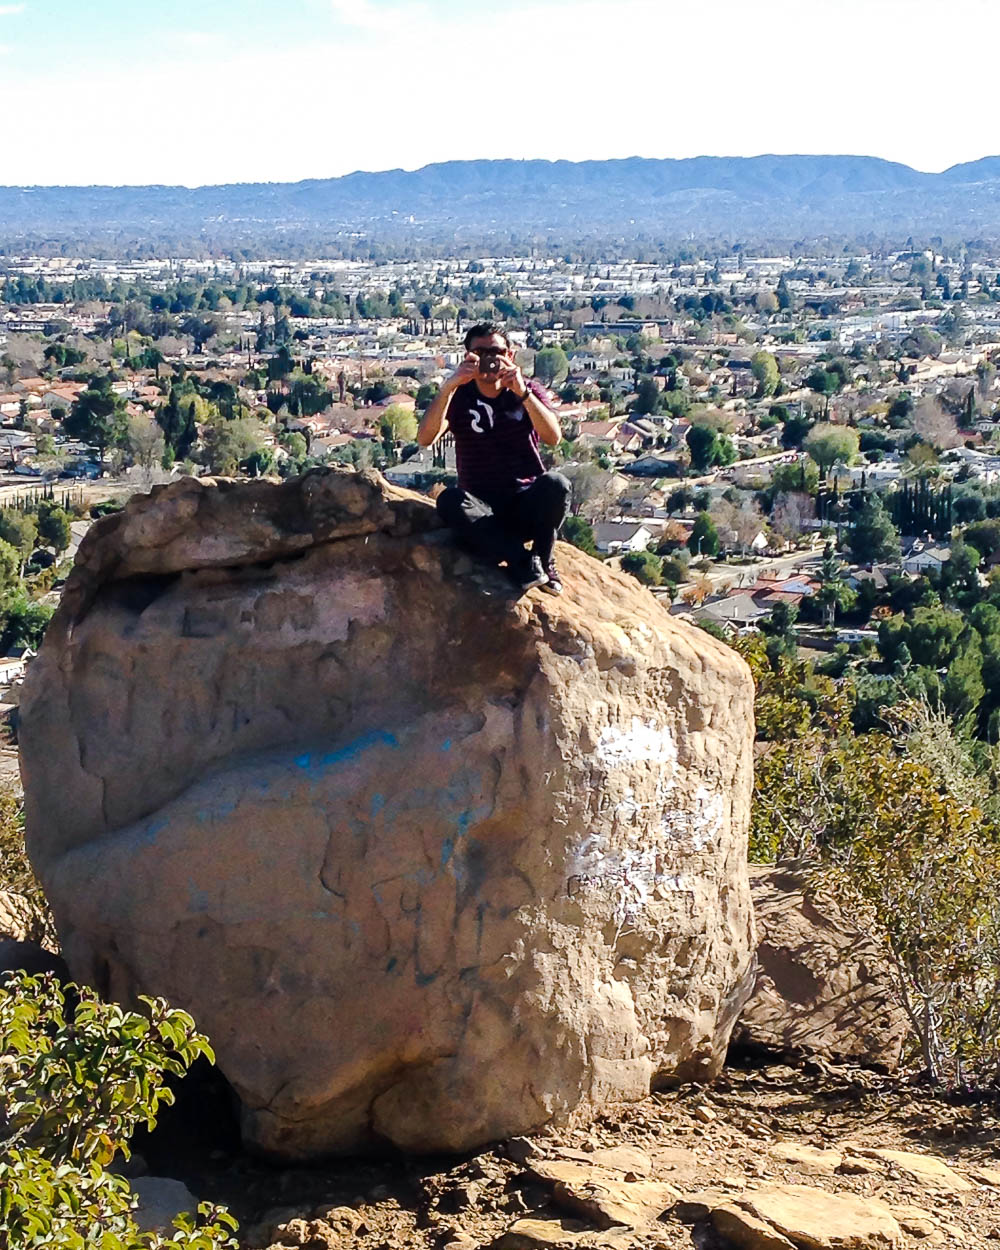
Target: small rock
<point x="705" y="1114"/>
<point x="927" y="1170"/>
<point x="277" y="1217"/>
<point x="341" y="1219"/>
<point x="159" y="1199"/>
<point x="690" y="1208"/>
<point x="986" y="1176"/>
<point x="520" y="1149"/>
<point x="854" y="1165"/>
<point x="806" y="1158"/>
<point x="915" y="1220"/>
<point x="601" y="1196"/>
<point x="460" y="1241"/>
<point x="559" y="1235"/>
<point x="813" y="1218"/>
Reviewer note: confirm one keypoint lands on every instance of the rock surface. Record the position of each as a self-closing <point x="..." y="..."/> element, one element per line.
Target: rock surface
<point x="822" y="987"/>
<point x="430" y="865"/>
<point x="160" y="1199"/>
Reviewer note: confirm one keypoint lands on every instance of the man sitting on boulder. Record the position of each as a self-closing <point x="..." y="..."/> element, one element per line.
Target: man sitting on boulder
<point x="504" y="496"/>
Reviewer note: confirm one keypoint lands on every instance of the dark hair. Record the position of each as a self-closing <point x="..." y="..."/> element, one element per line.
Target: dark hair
<point x="483" y="331"/>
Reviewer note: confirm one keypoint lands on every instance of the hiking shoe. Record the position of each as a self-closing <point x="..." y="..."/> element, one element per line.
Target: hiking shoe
<point x="554" y="585"/>
<point x="528" y="574"/>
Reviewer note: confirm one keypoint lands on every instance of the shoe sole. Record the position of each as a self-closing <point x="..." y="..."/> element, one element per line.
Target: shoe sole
<point x="553" y="588"/>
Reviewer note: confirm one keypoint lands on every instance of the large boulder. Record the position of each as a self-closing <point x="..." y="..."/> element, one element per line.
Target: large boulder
<point x="431" y="865"/>
<point x="823" y="987"/>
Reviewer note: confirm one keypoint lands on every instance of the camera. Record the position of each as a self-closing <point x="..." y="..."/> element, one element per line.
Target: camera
<point x="489" y="362"/>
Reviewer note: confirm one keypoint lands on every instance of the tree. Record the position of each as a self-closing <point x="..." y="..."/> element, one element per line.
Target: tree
<point x="645" y="566"/>
<point x="935" y="424"/>
<point x="828" y="444"/>
<point x="790" y="514"/>
<point x="795" y="430"/>
<point x="834" y="593"/>
<point x="579" y="532"/>
<point x="146" y="445"/>
<point x="227" y="444"/>
<point x="98" y="417"/>
<point x="11" y="561"/>
<point x="704" y="540"/>
<point x="873" y="537"/>
<point x="802" y="477"/>
<point x="54" y="526"/>
<point x="551" y="365"/>
<point x="765" y="370"/>
<point x="825" y="382"/>
<point x="23" y="622"/>
<point x="20" y="530"/>
<point x="647" y="396"/>
<point x="398" y="425"/>
<point x="703" y="444"/>
<point x="178" y="417"/>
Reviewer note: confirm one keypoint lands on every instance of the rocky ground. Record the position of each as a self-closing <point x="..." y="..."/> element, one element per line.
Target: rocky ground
<point x="768" y="1158"/>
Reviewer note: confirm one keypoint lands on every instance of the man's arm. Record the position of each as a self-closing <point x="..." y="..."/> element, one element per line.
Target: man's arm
<point x="435" y="419"/>
<point x="544" y="420"/>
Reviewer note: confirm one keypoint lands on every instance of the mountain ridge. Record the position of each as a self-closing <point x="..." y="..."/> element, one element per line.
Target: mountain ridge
<point x="667" y="198"/>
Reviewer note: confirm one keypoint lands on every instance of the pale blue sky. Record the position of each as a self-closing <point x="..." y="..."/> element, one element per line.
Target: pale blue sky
<point x="247" y="90"/>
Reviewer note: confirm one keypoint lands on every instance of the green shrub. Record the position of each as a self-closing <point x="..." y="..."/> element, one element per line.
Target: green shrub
<point x="645" y="566"/>
<point x="74" y="1085"/>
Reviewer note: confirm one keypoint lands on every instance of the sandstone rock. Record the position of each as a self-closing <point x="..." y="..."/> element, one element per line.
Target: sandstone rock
<point x="602" y="1196"/>
<point x="621" y="1159"/>
<point x="15" y="917"/>
<point x="159" y="1200"/>
<point x="986" y="1176"/>
<point x="559" y="1235"/>
<point x="746" y="1231"/>
<point x="806" y="1158"/>
<point x="430" y="866"/>
<point x="813" y="1219"/>
<point x="927" y="1170"/>
<point x="855" y="1165"/>
<point x="915" y="1220"/>
<point x="822" y="987"/>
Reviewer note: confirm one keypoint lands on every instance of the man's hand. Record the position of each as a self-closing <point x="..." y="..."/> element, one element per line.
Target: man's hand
<point x="466" y="371"/>
<point x="510" y="377"/>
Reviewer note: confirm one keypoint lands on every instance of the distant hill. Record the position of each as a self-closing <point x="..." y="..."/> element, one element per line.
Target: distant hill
<point x="733" y="197"/>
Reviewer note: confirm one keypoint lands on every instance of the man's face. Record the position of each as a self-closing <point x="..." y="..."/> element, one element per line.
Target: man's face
<point x="489" y="349"/>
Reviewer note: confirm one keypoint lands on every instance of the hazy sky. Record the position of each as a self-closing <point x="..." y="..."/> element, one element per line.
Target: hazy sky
<point x="203" y="91"/>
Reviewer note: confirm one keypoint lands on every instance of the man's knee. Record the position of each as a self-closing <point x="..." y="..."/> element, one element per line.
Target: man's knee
<point x="554" y="486"/>
<point x="449" y="505"/>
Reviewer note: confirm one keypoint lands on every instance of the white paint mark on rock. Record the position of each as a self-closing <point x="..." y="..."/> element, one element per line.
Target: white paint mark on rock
<point x="640" y="742"/>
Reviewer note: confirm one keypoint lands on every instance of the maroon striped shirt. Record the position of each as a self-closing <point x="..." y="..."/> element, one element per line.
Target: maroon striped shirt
<point x="496" y="446"/>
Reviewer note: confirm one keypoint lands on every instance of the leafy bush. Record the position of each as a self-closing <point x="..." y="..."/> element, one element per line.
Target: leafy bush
<point x="74" y="1085"/>
<point x="579" y="532"/>
<point x="645" y="566"/>
<point x="23" y="622"/>
<point x="902" y="825"/>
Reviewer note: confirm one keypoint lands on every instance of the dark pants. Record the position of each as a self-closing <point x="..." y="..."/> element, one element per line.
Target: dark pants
<point x="497" y="530"/>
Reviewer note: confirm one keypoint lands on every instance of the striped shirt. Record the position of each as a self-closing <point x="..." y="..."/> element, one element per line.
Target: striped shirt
<point x="496" y="446"/>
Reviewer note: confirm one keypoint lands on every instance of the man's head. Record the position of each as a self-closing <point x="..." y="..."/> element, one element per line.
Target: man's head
<point x="488" y="342"/>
